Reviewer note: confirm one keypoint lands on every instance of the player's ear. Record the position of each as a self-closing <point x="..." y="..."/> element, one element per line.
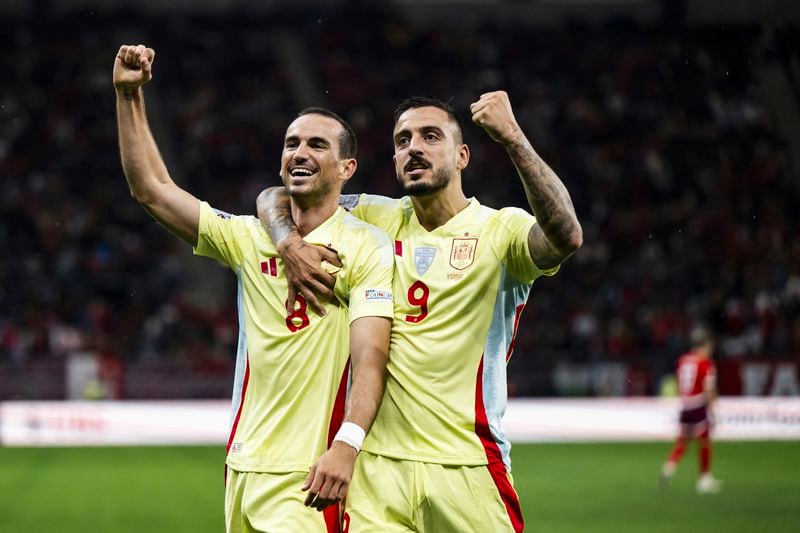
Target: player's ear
<point x="348" y="167"/>
<point x="463" y="157"/>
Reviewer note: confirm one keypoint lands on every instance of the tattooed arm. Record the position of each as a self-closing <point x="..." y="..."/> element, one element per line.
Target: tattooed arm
<point x="557" y="233"/>
<point x="303" y="262"/>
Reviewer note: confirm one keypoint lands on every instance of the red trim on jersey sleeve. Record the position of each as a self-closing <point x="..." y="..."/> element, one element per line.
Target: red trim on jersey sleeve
<point x="332" y="514"/>
<point x="241" y="404"/>
<point x="497" y="469"/>
<point x="398" y="248"/>
<point x="520" y="308"/>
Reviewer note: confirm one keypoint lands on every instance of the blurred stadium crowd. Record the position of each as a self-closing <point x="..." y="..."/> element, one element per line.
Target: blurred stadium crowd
<point x="680" y="174"/>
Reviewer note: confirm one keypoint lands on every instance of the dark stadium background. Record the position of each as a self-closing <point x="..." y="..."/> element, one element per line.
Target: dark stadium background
<point x="674" y="124"/>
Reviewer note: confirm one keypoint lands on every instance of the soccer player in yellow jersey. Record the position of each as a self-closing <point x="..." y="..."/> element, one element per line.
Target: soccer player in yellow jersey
<point x="437" y="458"/>
<point x="286" y="432"/>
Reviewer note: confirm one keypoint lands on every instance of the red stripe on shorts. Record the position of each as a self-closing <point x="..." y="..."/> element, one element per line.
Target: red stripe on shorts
<point x="332" y="514"/>
<point x="496" y="467"/>
<point x="398" y="248"/>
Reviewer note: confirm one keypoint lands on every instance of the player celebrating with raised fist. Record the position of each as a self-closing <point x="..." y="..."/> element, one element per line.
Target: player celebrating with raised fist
<point x="437" y="458"/>
<point x="292" y="367"/>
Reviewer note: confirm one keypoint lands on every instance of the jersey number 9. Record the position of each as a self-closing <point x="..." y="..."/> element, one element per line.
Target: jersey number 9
<point x="418" y="295"/>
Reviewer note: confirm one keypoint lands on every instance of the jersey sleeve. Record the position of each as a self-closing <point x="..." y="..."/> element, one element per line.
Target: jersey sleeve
<point x="516" y="253"/>
<point x="380" y="211"/>
<point x="371" y="277"/>
<point x="221" y="236"/>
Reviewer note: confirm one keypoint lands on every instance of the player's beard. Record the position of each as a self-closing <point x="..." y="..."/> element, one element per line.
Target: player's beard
<point x="441" y="179"/>
<point x="314" y="195"/>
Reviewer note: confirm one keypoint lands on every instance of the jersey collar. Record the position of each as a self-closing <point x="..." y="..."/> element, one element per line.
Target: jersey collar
<point x="457" y="219"/>
<point x="322" y="233"/>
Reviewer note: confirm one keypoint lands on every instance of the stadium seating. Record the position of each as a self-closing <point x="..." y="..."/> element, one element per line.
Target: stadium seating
<point x="679" y="172"/>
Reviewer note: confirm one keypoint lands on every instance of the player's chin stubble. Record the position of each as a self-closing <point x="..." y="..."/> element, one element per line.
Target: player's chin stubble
<point x="441" y="178"/>
<point x="312" y="196"/>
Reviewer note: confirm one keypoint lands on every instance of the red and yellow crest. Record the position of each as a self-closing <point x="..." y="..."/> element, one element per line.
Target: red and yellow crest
<point x="462" y="254"/>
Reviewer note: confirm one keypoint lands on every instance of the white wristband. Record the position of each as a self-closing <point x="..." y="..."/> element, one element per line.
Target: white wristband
<point x="351" y="434"/>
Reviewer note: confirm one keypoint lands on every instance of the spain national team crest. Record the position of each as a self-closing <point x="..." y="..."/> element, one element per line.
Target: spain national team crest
<point x="423" y="258"/>
<point x="462" y="255"/>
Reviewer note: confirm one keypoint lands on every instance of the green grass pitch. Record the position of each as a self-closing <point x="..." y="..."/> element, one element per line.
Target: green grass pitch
<point x="563" y="488"/>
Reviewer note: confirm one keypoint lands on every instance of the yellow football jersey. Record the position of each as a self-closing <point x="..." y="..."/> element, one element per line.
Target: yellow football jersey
<point x="290" y="382"/>
<point x="459" y="292"/>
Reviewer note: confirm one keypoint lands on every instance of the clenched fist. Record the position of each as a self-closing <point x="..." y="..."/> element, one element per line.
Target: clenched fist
<point x="133" y="66"/>
<point x="493" y="113"/>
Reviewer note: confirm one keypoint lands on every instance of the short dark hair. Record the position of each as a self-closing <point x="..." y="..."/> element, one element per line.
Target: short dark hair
<point x="423" y="101"/>
<point x="348" y="145"/>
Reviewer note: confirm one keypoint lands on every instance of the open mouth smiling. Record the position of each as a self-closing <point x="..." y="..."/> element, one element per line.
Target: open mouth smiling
<point x="301" y="172"/>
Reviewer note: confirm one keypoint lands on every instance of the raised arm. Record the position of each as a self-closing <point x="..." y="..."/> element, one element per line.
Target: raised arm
<point x="148" y="179"/>
<point x="303" y="262"/>
<point x="329" y="478"/>
<point x="557" y="233"/>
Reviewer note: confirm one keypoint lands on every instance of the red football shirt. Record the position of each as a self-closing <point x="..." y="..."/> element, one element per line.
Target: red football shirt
<point x="695" y="376"/>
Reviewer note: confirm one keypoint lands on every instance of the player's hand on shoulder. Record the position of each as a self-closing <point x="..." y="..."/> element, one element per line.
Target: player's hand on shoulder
<point x="329" y="478"/>
<point x="493" y="113"/>
<point x="310" y="271"/>
<point x="133" y="66"/>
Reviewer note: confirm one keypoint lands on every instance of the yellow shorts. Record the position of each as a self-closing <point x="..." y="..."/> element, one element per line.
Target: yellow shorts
<point x="390" y="495"/>
<point x="273" y="503"/>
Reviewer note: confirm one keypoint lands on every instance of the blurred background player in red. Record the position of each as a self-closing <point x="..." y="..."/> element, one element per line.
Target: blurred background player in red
<point x="697" y="388"/>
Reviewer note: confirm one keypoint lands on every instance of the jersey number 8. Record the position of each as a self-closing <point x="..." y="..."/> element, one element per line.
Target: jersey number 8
<point x="298" y="314"/>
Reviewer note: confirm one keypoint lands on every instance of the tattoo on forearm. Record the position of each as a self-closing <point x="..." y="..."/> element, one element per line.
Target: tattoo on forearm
<point x="128" y="94"/>
<point x="550" y="201"/>
<point x="279" y="220"/>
